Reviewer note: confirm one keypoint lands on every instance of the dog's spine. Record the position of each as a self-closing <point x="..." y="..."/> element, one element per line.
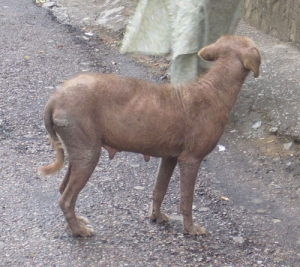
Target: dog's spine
<point x="56" y="144"/>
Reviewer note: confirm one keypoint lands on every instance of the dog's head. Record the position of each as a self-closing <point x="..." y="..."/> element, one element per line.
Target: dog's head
<point x="230" y="46"/>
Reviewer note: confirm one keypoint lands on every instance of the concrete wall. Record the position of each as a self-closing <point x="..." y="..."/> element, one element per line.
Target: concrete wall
<point x="280" y="18"/>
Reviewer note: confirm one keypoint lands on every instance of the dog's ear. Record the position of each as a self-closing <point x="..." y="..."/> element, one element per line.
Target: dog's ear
<point x="251" y="60"/>
<point x="209" y="53"/>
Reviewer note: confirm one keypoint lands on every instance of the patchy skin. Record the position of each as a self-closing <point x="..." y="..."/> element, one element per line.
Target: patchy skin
<point x="180" y="124"/>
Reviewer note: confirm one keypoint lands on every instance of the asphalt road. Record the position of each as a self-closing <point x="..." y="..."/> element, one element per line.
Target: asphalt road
<point x="257" y="226"/>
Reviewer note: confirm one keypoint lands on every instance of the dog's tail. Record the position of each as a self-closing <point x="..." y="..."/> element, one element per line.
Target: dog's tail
<point x="55" y="141"/>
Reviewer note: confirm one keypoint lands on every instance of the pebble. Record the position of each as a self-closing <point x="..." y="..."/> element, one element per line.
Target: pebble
<point x="238" y="239"/>
<point x="176" y="217"/>
<point x="287" y="146"/>
<point x="256" y="125"/>
<point x="49" y="4"/>
<point x="89" y="34"/>
<point x="84" y="63"/>
<point x="221" y="148"/>
<point x="273" y="130"/>
<point x="278" y="259"/>
<point x="139" y="187"/>
<point x="203" y="209"/>
<point x="135" y="165"/>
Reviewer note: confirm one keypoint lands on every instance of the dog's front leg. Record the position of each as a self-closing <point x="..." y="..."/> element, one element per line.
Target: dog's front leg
<point x="188" y="173"/>
<point x="165" y="172"/>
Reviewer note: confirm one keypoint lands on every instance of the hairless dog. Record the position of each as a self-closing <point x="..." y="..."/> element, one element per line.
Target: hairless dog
<point x="180" y="124"/>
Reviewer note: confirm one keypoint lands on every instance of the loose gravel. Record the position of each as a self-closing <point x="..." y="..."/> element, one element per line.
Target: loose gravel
<point x="246" y="196"/>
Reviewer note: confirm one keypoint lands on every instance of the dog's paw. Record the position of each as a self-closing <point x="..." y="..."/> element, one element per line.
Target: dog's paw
<point x="159" y="217"/>
<point x="83" y="231"/>
<point x="82" y="227"/>
<point x="82" y="220"/>
<point x="194" y="230"/>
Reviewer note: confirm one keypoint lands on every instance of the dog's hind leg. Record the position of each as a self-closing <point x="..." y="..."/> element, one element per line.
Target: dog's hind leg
<point x="65" y="181"/>
<point x="79" y="172"/>
<point x="165" y="172"/>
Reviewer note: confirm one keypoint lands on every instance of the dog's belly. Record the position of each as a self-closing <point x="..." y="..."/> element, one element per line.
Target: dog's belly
<point x="147" y="131"/>
<point x="145" y="147"/>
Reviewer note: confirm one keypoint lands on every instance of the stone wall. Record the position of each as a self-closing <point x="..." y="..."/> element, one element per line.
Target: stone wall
<point x="280" y="18"/>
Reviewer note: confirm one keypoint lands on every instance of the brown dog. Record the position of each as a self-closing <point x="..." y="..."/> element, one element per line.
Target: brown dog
<point x="180" y="124"/>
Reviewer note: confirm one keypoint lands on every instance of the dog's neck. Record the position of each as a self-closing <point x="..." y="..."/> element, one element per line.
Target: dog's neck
<point x="226" y="78"/>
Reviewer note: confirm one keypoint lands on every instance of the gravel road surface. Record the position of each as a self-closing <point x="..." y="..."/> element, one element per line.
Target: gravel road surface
<point x="247" y="196"/>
